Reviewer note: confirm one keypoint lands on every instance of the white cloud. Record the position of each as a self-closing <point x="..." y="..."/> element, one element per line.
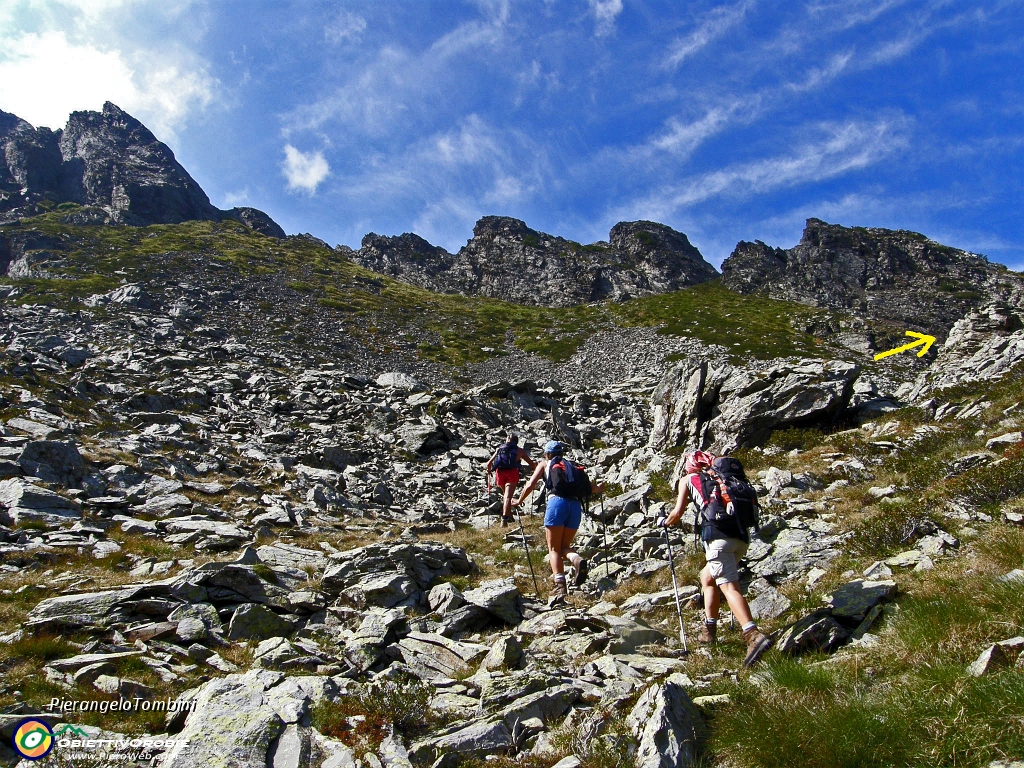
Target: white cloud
<point x="713" y="26"/>
<point x="237" y="198"/>
<point x="605" y="12"/>
<point x="683" y="138"/>
<point x="375" y="98"/>
<point x="344" y="27"/>
<point x="846" y="147"/>
<point x="304" y="170"/>
<point x="46" y="75"/>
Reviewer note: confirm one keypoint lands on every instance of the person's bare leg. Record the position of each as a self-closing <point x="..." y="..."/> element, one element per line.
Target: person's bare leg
<point x="711" y="598"/>
<point x="506" y="507"/>
<point x="566" y="551"/>
<point x="554" y="538"/>
<point x="737" y="603"/>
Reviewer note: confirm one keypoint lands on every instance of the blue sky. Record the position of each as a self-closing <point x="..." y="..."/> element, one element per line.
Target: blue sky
<point x="728" y="121"/>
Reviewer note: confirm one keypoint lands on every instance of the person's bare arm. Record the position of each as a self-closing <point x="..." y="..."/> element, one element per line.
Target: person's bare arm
<point x="534" y="479"/>
<point x="682" y="499"/>
<point x="524" y="456"/>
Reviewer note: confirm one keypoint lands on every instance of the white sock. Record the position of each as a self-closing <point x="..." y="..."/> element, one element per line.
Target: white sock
<point x="749" y="626"/>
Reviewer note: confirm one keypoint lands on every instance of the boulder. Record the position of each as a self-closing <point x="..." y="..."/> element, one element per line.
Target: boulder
<point x="505" y="653"/>
<point x="25" y="501"/>
<point x="1004" y="441"/>
<point x="424" y="438"/>
<point x="500" y="598"/>
<point x="769" y="605"/>
<point x="667" y="725"/>
<point x="475" y="740"/>
<point x="231" y="726"/>
<point x="433" y="656"/>
<point x="992" y="658"/>
<point x="630" y="634"/>
<point x="444" y="598"/>
<point x="256" y="622"/>
<point x="723" y="407"/>
<point x="53" y="462"/>
<point x="817" y="631"/>
<point x="383" y="590"/>
<point x="852" y="602"/>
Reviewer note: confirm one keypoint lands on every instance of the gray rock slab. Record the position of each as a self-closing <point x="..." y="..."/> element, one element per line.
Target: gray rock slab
<point x="992" y="658"/>
<point x="257" y="622"/>
<point x="232" y="726"/>
<point x="769" y="605"/>
<point x="666" y="724"/>
<point x="500" y="598"/>
<point x="852" y="601"/>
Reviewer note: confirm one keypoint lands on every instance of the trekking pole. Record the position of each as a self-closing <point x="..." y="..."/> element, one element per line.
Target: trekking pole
<point x="604" y="532"/>
<point x="526" y="546"/>
<point x="675" y="588"/>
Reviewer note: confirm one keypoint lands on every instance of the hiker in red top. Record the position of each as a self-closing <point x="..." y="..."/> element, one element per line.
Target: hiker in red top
<point x="722" y="553"/>
<point x="505" y="463"/>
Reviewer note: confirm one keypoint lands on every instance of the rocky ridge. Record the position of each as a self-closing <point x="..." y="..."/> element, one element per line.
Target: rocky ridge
<point x="897" y="276"/>
<point x="507" y="260"/>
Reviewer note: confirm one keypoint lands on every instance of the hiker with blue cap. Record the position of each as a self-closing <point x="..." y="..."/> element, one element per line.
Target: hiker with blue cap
<point x="563" y="480"/>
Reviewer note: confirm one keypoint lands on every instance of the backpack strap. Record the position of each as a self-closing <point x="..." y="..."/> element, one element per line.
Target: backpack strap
<point x="723" y="488"/>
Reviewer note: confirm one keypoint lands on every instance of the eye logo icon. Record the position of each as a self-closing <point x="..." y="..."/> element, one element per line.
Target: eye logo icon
<point x="33" y="739"/>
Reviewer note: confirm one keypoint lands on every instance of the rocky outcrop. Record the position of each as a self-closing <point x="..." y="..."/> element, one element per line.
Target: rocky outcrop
<point x="891" y="275"/>
<point x="507" y="260"/>
<point x="111" y="163"/>
<point x="723" y="407"/>
<point x="984" y="345"/>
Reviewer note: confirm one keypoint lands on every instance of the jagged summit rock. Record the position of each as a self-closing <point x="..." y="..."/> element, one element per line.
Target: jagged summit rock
<point x="883" y="274"/>
<point x="110" y="162"/>
<point x="115" y="162"/>
<point x="508" y="260"/>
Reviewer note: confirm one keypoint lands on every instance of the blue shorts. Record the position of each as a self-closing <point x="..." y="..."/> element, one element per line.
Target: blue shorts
<point x="563" y="512"/>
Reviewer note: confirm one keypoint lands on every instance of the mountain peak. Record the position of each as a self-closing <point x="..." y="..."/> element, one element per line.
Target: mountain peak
<point x="107" y="160"/>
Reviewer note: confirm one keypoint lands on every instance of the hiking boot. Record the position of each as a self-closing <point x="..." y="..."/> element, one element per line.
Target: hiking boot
<point x="581" y="573"/>
<point x="558" y="593"/>
<point x="756" y="645"/>
<point x="507" y="521"/>
<point x="708" y="634"/>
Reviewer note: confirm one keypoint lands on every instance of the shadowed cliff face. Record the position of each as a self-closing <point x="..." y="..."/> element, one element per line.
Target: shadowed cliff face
<point x="110" y="162"/>
<point x="882" y="274"/>
<point x="506" y="259"/>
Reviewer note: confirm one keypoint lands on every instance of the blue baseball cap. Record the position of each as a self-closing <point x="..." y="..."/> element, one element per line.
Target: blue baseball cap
<point x="553" y="447"/>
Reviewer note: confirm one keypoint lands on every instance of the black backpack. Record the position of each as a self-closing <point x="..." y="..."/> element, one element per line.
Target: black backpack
<point x="567" y="479"/>
<point x="724" y="482"/>
<point x="507" y="457"/>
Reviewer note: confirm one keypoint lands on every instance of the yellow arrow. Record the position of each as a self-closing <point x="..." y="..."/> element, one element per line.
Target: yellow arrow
<point x="922" y="338"/>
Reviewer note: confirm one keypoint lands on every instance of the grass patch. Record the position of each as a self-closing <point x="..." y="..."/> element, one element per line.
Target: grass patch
<point x="363" y="719"/>
<point x="909" y="701"/>
<point x="889" y="527"/>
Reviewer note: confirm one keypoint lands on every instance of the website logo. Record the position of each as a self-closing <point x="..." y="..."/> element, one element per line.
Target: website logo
<point x="33" y="739"/>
